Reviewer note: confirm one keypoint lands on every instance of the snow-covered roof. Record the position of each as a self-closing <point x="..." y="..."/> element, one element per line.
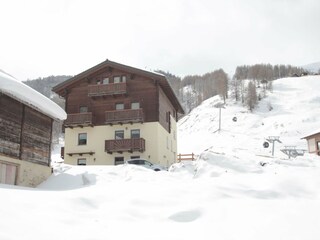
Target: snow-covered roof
<point x="30" y="97"/>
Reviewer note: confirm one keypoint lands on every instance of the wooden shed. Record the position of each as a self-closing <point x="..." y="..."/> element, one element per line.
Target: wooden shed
<point x="26" y="119"/>
<point x="313" y="142"/>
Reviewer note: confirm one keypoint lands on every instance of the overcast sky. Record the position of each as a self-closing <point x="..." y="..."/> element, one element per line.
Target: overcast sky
<point x="65" y="37"/>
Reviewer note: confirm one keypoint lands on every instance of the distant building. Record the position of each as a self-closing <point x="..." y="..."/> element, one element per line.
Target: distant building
<point x="313" y="142"/>
<point x="26" y="119"/>
<point x="117" y="112"/>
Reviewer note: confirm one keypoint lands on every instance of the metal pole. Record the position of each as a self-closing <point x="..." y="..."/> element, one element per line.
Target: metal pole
<point x="219" y="118"/>
<point x="273" y="148"/>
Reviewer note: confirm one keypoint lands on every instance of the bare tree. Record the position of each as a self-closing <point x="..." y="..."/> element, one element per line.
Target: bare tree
<point x="251" y="97"/>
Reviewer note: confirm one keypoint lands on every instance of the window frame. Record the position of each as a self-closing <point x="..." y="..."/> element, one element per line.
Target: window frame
<point x="81" y="159"/>
<point x="133" y="104"/>
<point x="81" y="140"/>
<point x="131" y="133"/>
<point x="107" y="79"/>
<point x="119" y="104"/>
<point x="118" y="160"/>
<point x="118" y="131"/>
<point x="81" y="109"/>
<point x="117" y="79"/>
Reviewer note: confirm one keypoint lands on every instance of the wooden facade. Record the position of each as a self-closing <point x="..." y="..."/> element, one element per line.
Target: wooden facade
<point x="25" y="133"/>
<point x="98" y="90"/>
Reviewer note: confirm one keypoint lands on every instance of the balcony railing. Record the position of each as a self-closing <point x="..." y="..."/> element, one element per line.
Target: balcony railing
<point x="78" y="119"/>
<point x="125" y="145"/>
<point x="107" y="89"/>
<point x="124" y="116"/>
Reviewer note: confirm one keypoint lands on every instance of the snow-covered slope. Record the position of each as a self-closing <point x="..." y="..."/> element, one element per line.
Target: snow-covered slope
<point x="226" y="194"/>
<point x="291" y="111"/>
<point x="312" y="67"/>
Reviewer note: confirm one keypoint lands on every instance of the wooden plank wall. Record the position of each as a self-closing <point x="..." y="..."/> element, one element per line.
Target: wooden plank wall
<point x="36" y="137"/>
<point x="165" y="107"/>
<point x="10" y="126"/>
<point x="24" y="132"/>
<point x="139" y="89"/>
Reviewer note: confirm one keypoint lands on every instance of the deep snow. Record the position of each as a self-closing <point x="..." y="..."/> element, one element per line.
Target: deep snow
<point x="225" y="194"/>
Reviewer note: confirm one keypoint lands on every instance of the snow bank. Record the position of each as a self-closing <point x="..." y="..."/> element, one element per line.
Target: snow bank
<point x="235" y="190"/>
<point x="23" y="93"/>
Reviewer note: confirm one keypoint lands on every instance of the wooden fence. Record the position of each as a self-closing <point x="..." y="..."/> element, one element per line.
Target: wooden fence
<point x="186" y="157"/>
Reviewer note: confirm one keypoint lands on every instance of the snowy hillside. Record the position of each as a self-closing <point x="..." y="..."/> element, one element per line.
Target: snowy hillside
<point x="226" y="194"/>
<point x="312" y="67"/>
<point x="291" y="112"/>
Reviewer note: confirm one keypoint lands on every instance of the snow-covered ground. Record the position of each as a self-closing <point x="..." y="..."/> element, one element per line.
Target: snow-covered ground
<point x="225" y="194"/>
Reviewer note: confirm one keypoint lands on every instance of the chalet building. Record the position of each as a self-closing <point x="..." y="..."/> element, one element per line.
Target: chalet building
<point x="116" y="112"/>
<point x="313" y="142"/>
<point x="25" y="133"/>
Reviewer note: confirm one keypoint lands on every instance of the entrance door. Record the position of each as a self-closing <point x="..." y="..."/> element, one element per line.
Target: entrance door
<point x="8" y="173"/>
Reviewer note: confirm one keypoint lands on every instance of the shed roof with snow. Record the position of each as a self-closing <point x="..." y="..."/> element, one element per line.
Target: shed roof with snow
<point x="30" y="97"/>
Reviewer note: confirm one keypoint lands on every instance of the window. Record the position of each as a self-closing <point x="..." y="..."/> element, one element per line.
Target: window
<point x="83" y="109"/>
<point x="135" y="105"/>
<point x="135" y="133"/>
<point x="82" y="139"/>
<point x="134" y="157"/>
<point x="98" y="82"/>
<point x="119" y="106"/>
<point x="106" y="81"/>
<point x="118" y="160"/>
<point x="119" y="79"/>
<point x="116" y="79"/>
<point x="119" y="134"/>
<point x="82" y="161"/>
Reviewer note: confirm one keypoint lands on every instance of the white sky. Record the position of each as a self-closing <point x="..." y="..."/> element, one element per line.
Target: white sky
<point x="42" y="37"/>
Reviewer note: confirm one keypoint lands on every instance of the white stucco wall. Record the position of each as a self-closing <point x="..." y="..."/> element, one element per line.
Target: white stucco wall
<point x="161" y="146"/>
<point x="28" y="174"/>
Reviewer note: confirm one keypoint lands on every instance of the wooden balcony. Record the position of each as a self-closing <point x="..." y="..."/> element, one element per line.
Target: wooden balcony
<point x="125" y="145"/>
<point x="124" y="116"/>
<point x="78" y="120"/>
<point x="99" y="90"/>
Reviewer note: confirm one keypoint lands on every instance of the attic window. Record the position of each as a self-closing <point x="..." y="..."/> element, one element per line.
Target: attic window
<point x="116" y="79"/>
<point x="119" y="79"/>
<point x="106" y="81"/>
